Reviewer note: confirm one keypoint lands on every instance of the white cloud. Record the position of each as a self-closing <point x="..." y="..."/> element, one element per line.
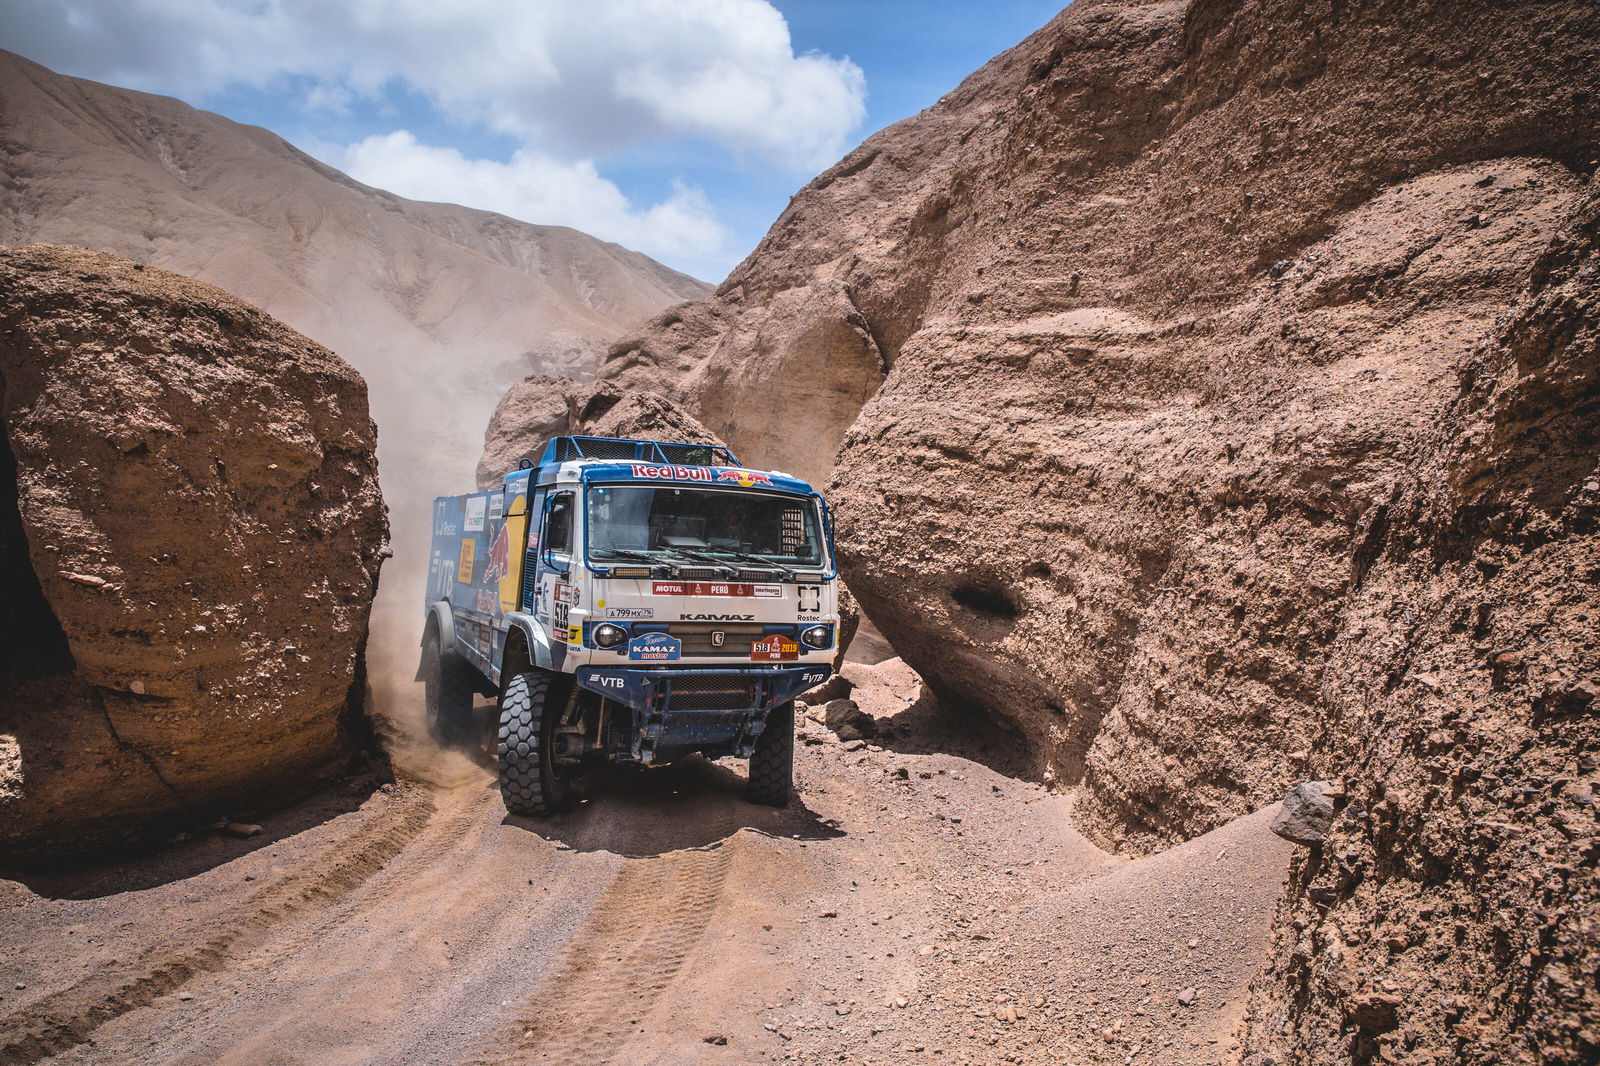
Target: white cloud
<point x="574" y="78"/>
<point x="537" y="188"/>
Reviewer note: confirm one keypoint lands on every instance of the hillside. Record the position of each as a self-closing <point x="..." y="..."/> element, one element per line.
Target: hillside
<point x="439" y="307"/>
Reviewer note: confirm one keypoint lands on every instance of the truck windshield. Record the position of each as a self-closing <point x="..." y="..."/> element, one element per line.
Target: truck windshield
<point x="634" y="521"/>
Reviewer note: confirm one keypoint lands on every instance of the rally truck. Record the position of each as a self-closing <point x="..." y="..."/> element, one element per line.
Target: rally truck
<point x="629" y="601"/>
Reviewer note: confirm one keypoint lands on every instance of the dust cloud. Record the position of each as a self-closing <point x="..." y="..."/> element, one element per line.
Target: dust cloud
<point x="430" y="435"/>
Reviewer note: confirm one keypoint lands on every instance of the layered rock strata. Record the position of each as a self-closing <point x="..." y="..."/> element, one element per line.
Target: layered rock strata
<point x="1237" y="428"/>
<point x="192" y="530"/>
<point x="1164" y="302"/>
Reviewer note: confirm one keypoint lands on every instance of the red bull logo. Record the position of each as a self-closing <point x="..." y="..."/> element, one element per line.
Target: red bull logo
<point x="499" y="556"/>
<point x="746" y="478"/>
<point x="672" y="473"/>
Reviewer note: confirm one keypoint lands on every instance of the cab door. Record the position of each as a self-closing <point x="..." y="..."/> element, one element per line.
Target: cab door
<point x="557" y="592"/>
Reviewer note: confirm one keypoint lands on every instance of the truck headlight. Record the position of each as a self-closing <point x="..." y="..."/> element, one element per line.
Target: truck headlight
<point x="818" y="636"/>
<point x="607" y="635"/>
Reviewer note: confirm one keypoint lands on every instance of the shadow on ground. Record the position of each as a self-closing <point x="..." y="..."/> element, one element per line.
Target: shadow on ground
<point x="944" y="726"/>
<point x="637" y="812"/>
<point x="141" y="866"/>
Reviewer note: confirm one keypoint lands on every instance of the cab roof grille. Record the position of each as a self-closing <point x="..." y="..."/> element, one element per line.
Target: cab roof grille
<point x="565" y="449"/>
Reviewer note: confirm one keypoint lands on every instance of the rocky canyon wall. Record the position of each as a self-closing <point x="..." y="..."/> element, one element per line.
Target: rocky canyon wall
<point x="191" y="532"/>
<point x="1452" y="911"/>
<point x="1164" y="302"/>
<point x="1233" y="422"/>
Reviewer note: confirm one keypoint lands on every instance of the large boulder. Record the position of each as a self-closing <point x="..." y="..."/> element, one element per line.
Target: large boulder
<point x="191" y="531"/>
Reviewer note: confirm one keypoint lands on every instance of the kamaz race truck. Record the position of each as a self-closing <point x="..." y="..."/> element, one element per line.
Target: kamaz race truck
<point x="629" y="601"/>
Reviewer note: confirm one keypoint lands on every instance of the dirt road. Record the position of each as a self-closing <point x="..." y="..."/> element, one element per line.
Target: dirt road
<point x="910" y="906"/>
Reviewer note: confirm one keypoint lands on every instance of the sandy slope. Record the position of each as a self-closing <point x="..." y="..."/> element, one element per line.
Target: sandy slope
<point x="909" y="906"/>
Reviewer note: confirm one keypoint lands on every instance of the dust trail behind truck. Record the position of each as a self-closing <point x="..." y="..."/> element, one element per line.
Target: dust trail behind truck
<point x="629" y="601"/>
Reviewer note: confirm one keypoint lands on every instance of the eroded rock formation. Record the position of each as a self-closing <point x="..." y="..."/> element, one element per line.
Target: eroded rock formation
<point x="1238" y="378"/>
<point x="1454" y="910"/>
<point x="541" y="407"/>
<point x="192" y="531"/>
<point x="1171" y="294"/>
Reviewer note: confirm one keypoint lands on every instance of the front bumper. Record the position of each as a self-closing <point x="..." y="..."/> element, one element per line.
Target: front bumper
<point x="677" y="710"/>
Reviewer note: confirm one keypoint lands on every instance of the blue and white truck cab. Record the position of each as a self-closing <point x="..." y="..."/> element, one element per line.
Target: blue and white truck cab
<point x="630" y="601"/>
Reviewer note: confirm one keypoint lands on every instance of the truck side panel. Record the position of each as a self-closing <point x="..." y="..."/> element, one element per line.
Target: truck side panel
<point x="476" y="563"/>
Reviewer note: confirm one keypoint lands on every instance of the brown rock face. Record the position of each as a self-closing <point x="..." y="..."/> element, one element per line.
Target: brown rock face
<point x="1240" y="429"/>
<point x="1172" y="295"/>
<point x="541" y="407"/>
<point x="192" y="530"/>
<point x="1453" y="909"/>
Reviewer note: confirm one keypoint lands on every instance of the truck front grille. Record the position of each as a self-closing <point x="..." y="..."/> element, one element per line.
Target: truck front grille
<point x="699" y="637"/>
<point x="712" y="692"/>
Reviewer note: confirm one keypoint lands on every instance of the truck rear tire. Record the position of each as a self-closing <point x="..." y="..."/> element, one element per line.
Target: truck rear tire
<point x="447" y="693"/>
<point x="772" y="761"/>
<point x="531" y="782"/>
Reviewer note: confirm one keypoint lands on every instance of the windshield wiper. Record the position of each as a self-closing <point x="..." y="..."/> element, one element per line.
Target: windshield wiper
<point x="704" y="558"/>
<point x="625" y="553"/>
<point x="746" y="557"/>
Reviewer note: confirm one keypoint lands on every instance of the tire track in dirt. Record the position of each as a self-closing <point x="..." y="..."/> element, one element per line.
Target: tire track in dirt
<point x="636" y="941"/>
<point x="69" y="1017"/>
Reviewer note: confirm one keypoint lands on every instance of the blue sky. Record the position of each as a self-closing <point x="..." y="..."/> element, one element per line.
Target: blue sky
<point x="677" y="127"/>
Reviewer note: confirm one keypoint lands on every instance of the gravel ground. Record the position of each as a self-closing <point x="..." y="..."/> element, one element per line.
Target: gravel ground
<point x="910" y="905"/>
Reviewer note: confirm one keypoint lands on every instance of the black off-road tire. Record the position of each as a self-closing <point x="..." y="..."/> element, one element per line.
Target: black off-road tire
<point x="530" y="780"/>
<point x="447" y="686"/>
<point x="772" y="761"/>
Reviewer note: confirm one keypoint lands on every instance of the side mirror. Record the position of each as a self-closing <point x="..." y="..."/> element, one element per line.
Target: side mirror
<point x="547" y="554"/>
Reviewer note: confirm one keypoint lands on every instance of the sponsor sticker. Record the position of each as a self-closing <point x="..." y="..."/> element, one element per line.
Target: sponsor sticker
<point x="568" y="594"/>
<point x="810" y="597"/>
<point x="746" y="478"/>
<point x="630" y="612"/>
<point x="769" y="592"/>
<point x="575" y="635"/>
<point x="476" y="507"/>
<point x="654" y="648"/>
<point x="497" y="505"/>
<point x="469" y="549"/>
<point x="713" y="588"/>
<point x="672" y="473"/>
<point x="500" y="555"/>
<point x="775" y="649"/>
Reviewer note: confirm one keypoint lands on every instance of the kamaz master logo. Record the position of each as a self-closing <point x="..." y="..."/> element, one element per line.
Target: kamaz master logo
<point x="718" y="617"/>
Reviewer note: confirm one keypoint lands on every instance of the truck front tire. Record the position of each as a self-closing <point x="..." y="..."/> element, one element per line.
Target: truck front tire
<point x="531" y="782"/>
<point x="447" y="693"/>
<point x="772" y="761"/>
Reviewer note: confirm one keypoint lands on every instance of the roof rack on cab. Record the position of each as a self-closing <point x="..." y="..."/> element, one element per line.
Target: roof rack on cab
<point x="565" y="449"/>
